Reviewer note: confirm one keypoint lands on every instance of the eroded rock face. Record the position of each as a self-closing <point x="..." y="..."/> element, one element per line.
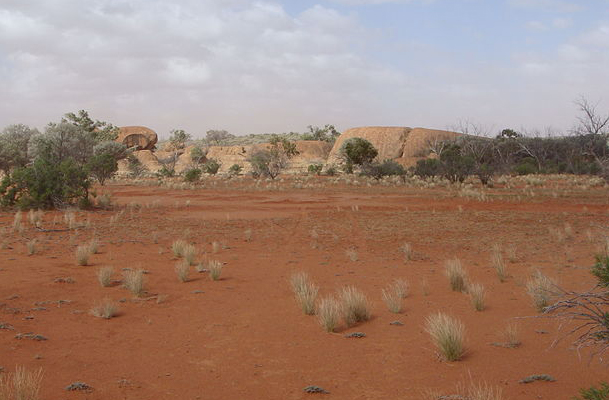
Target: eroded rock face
<point x="137" y="136"/>
<point x="146" y="157"/>
<point x="402" y="144"/>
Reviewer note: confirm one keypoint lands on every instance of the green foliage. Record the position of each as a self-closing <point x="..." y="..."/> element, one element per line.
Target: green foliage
<point x="212" y="166"/>
<point x="331" y="170"/>
<point x="178" y="138"/>
<point x="600" y="269"/>
<point x="327" y="134"/>
<point x="135" y="166"/>
<point x="102" y="167"/>
<point x="166" y="172"/>
<point x="525" y="167"/>
<point x="315" y="169"/>
<point x="386" y="168"/>
<point x="235" y="169"/>
<point x="271" y="162"/>
<point x="192" y="175"/>
<point x="455" y="166"/>
<point x="593" y="393"/>
<point x="14" y="141"/>
<point x="357" y="151"/>
<point x="63" y="141"/>
<point x="99" y="131"/>
<point x="428" y="168"/>
<point x="197" y="155"/>
<point x="509" y="134"/>
<point x="45" y="184"/>
<point x="217" y="137"/>
<point x="117" y="150"/>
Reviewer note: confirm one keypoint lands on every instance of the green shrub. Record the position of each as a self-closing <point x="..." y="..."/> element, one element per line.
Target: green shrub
<point x="235" y="169"/>
<point x="212" y="166"/>
<point x="192" y="175"/>
<point x="455" y="166"/>
<point x="601" y="269"/>
<point x="525" y="168"/>
<point x="331" y="170"/>
<point x="315" y="169"/>
<point x="386" y="168"/>
<point x="165" y="172"/>
<point x="428" y="168"/>
<point x="594" y="394"/>
<point x="102" y="167"/>
<point x="357" y="151"/>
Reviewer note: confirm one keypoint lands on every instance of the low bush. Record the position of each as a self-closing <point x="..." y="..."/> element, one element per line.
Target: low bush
<point x="354" y="305"/>
<point x="192" y="175"/>
<point x="448" y="334"/>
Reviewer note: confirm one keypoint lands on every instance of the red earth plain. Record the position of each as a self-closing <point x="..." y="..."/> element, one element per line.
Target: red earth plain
<point x="245" y="337"/>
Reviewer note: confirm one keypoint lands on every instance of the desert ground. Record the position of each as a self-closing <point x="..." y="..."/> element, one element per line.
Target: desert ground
<point x="245" y="337"/>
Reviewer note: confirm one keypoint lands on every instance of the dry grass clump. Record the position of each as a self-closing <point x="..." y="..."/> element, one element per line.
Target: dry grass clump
<point x="94" y="246"/>
<point x="104" y="276"/>
<point x="512" y="254"/>
<point x="406" y="249"/>
<point x="178" y="248"/>
<point x="477" y="295"/>
<point x="328" y="313"/>
<point x="351" y="254"/>
<point x="456" y="275"/>
<point x="20" y="385"/>
<point x="189" y="253"/>
<point x="104" y="201"/>
<point x="481" y="391"/>
<point x="247" y="235"/>
<point x="215" y="247"/>
<point x="354" y="305"/>
<point x="305" y="292"/>
<point x="182" y="270"/>
<point x="35" y="217"/>
<point x="448" y="334"/>
<point x="498" y="264"/>
<point x="393" y="295"/>
<point x="511" y="336"/>
<point x="17" y="222"/>
<point x="541" y="289"/>
<point x="70" y="219"/>
<point x="82" y="255"/>
<point x="105" y="308"/>
<point x="215" y="270"/>
<point x="133" y="280"/>
<point x="31" y="247"/>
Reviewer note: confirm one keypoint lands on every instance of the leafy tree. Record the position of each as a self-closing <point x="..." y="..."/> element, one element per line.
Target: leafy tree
<point x="197" y="155"/>
<point x="100" y="131"/>
<point x="271" y="162"/>
<point x="327" y="134"/>
<point x="117" y="150"/>
<point x="102" y="167"/>
<point x="357" y="151"/>
<point x="63" y="141"/>
<point x="192" y="175"/>
<point x="428" y="168"/>
<point x="455" y="166"/>
<point x="216" y="137"/>
<point x="14" y="140"/>
<point x="212" y="166"/>
<point x="509" y="134"/>
<point x="178" y="138"/>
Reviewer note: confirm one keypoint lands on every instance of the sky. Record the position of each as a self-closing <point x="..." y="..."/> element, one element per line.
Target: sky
<point x="279" y="66"/>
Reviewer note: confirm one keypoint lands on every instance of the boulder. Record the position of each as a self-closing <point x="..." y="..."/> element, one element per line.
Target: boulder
<point x="137" y="136"/>
<point x="402" y="144"/>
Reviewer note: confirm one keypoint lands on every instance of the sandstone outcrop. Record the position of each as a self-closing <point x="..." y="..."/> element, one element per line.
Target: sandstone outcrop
<point x="137" y="136"/>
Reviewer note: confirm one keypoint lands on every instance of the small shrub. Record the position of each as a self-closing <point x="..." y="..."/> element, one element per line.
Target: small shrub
<point x="215" y="247"/>
<point x="401" y="287"/>
<point x="511" y="336"/>
<point x="593" y="393"/>
<point x="17" y="222"/>
<point x="31" y="247"/>
<point x="104" y="201"/>
<point x="192" y="175"/>
<point x="247" y="235"/>
<point x="178" y="247"/>
<point x="182" y="270"/>
<point x="20" y="385"/>
<point x="212" y="166"/>
<point x="104" y="276"/>
<point x="477" y="294"/>
<point x="392" y="298"/>
<point x="456" y="275"/>
<point x="305" y="292"/>
<point x="105" y="309"/>
<point x="406" y="249"/>
<point x="235" y="170"/>
<point x="354" y="305"/>
<point x="133" y="280"/>
<point x="448" y="334"/>
<point x="315" y="169"/>
<point x="498" y="264"/>
<point x="189" y="253"/>
<point x="600" y="269"/>
<point x="352" y="254"/>
<point x="82" y="255"/>
<point x="94" y="246"/>
<point x="328" y="313"/>
<point x="541" y="289"/>
<point x="215" y="270"/>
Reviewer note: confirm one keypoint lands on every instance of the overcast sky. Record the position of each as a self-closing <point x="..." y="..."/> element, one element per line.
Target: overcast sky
<point x="277" y="66"/>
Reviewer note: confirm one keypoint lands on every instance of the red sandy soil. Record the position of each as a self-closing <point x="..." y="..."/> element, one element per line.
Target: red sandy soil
<point x="245" y="337"/>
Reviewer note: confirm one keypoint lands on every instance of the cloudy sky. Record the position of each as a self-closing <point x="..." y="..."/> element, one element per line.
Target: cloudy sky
<point x="276" y="66"/>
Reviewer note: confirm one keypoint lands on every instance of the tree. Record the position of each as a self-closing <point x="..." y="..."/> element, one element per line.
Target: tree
<point x="14" y="141"/>
<point x="178" y="138"/>
<point x="428" y="168"/>
<point x="102" y="167"/>
<point x="63" y="141"/>
<point x="327" y="134"/>
<point x="589" y="120"/>
<point x="99" y="130"/>
<point x="455" y="166"/>
<point x="217" y="136"/>
<point x="357" y="151"/>
<point x="117" y="150"/>
<point x="272" y="161"/>
<point x="197" y="155"/>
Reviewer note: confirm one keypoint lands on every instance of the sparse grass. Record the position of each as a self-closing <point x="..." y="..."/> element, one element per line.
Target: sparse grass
<point x="448" y="334"/>
<point x="511" y="335"/>
<point x="477" y="295"/>
<point x="328" y="313"/>
<point x="247" y="235"/>
<point x="31" y="247"/>
<point x="104" y="276"/>
<point x="215" y="269"/>
<point x="20" y="385"/>
<point x="215" y="247"/>
<point x="183" y="270"/>
<point x="498" y="264"/>
<point x="457" y="276"/>
<point x="105" y="308"/>
<point x="351" y="254"/>
<point x="401" y="287"/>
<point x="133" y="280"/>
<point x="541" y="289"/>
<point x="94" y="246"/>
<point x="425" y="287"/>
<point x="481" y="391"/>
<point x="178" y="248"/>
<point x="17" y="222"/>
<point x="354" y="305"/>
<point x="512" y="254"/>
<point x="70" y="219"/>
<point x="82" y="255"/>
<point x="305" y="292"/>
<point x="35" y="217"/>
<point x="406" y="249"/>
<point x="190" y="253"/>
<point x="392" y="297"/>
